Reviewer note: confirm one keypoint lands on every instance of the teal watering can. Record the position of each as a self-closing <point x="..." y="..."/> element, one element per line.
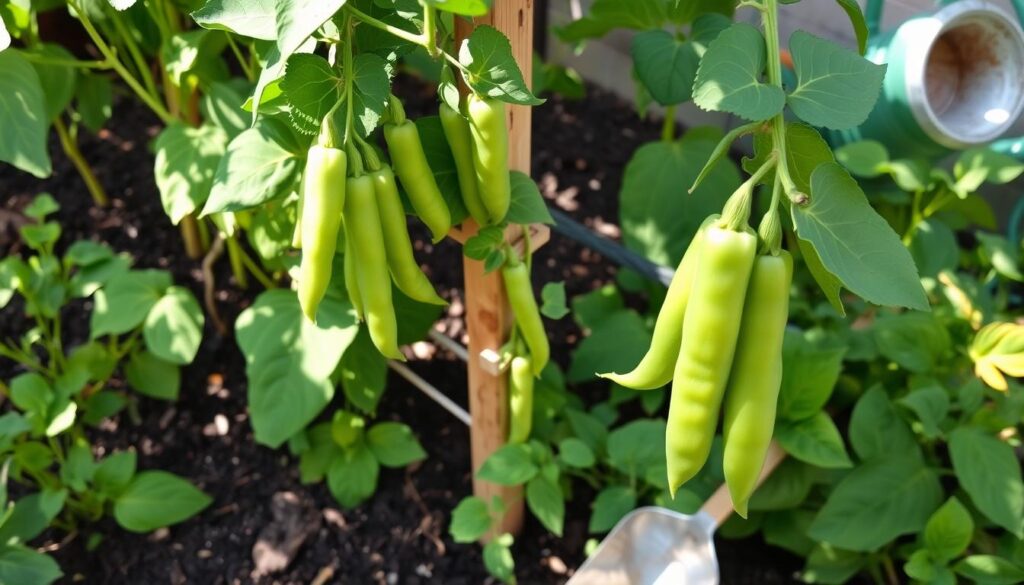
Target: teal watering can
<point x="955" y="80"/>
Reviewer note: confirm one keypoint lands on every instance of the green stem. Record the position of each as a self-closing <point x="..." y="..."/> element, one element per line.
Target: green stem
<point x="242" y="61"/>
<point x="736" y="213"/>
<point x="99" y="196"/>
<point x="234" y="257"/>
<point x="770" y="18"/>
<point x="115" y="64"/>
<point x="136" y="54"/>
<point x="194" y="248"/>
<point x="417" y="39"/>
<point x="770" y="230"/>
<point x="347" y="64"/>
<point x="430" y="29"/>
<point x="58" y="62"/>
<point x="668" y="125"/>
<point x="255" y="270"/>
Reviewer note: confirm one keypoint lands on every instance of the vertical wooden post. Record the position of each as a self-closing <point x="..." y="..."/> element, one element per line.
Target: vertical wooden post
<point x="488" y="317"/>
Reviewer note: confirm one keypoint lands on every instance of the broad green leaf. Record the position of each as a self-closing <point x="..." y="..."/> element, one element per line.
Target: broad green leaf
<point x="864" y="158"/>
<point x="729" y="77"/>
<point x="510" y="465"/>
<point x="545" y="500"/>
<point x="665" y="64"/>
<point x="289" y="360"/>
<point x="606" y="15"/>
<point x="31" y="393"/>
<point x="125" y="300"/>
<point x="1003" y="255"/>
<point x="915" y="341"/>
<point x="174" y="326"/>
<point x="527" y="205"/>
<point x="193" y="56"/>
<point x="590" y="309"/>
<point x="114" y="473"/>
<point x="87" y="252"/>
<point x="855" y="243"/>
<point x="588" y="429"/>
<point x="615" y="345"/>
<point x="487" y="55"/>
<point x="320" y="450"/>
<point x="470" y="520"/>
<point x="363" y="371"/>
<point x="658" y="217"/>
<point x="553" y="296"/>
<point x="250" y="18"/>
<point x="260" y="164"/>
<point x="575" y="453"/>
<point x="272" y="65"/>
<point x="610" y="505"/>
<point x="989" y="570"/>
<point x="637" y="446"/>
<point x="998" y="351"/>
<point x="977" y="165"/>
<point x="352" y="477"/>
<point x="787" y="487"/>
<point x="787" y="529"/>
<point x="58" y="81"/>
<point x="23" y="116"/>
<point x="836" y="88"/>
<point x="95" y="98"/>
<point x="221" y="106"/>
<point x="152" y="376"/>
<point x="879" y="501"/>
<point x="934" y="248"/>
<point x="155" y="499"/>
<point x="809" y="373"/>
<point x="89" y="279"/>
<point x="876" y="429"/>
<point x="394" y="445"/>
<point x="949" y="531"/>
<point x="186" y="162"/>
<point x="827" y="564"/>
<point x="828" y="282"/>
<point x="26" y="566"/>
<point x="32" y="515"/>
<point x="78" y="467"/>
<point x="989" y="472"/>
<point x="814" y="440"/>
<point x="498" y="559"/>
<point x="371" y="88"/>
<point x="806" y="150"/>
<point x="931" y="405"/>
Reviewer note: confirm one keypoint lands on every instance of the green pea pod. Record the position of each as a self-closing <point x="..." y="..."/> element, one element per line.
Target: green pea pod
<point x="367" y="242"/>
<point x="490" y="154"/>
<point x="404" y="269"/>
<point x="710" y="329"/>
<point x="753" y="388"/>
<point x="460" y="141"/>
<point x="297" y="233"/>
<point x="417" y="179"/>
<point x="520" y="419"/>
<point x="351" y="280"/>
<point x="527" y="315"/>
<point x="656" y="367"/>
<point x="324" y="198"/>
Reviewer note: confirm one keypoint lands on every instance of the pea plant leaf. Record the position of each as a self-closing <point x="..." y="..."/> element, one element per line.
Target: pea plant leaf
<point x="23" y="116"/>
<point x="290" y="360"/>
<point x="606" y="15"/>
<point x="57" y="80"/>
<point x="125" y="300"/>
<point x="527" y="205"/>
<point x="855" y="243"/>
<point x="836" y="88"/>
<point x="493" y="71"/>
<point x="949" y="531"/>
<point x="311" y="87"/>
<point x="989" y="472"/>
<point x="729" y="76"/>
<point x="186" y="162"/>
<point x="878" y="501"/>
<point x="815" y="440"/>
<point x="876" y="428"/>
<point x="174" y="326"/>
<point x="371" y="87"/>
<point x="665" y="64"/>
<point x="249" y="18"/>
<point x="155" y="499"/>
<point x="260" y="164"/>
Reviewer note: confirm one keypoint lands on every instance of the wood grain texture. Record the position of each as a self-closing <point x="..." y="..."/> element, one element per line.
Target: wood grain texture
<point x="488" y="317"/>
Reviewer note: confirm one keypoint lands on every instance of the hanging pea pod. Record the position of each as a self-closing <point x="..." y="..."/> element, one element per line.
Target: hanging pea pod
<point x="490" y="154"/>
<point x="460" y="141"/>
<point x="520" y="378"/>
<point x="324" y="196"/>
<point x="527" y="315"/>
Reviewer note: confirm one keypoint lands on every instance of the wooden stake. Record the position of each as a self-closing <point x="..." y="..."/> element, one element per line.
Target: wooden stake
<point x="488" y="317"/>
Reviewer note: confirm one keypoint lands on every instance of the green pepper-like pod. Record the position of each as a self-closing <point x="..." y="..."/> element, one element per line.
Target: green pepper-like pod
<point x="323" y="197"/>
<point x="404" y="269"/>
<point x="520" y="396"/>
<point x="367" y="244"/>
<point x="460" y="141"/>
<point x="656" y="367"/>
<point x="417" y="179"/>
<point x="527" y="315"/>
<point x="753" y="389"/>
<point x="351" y="280"/>
<point x="710" y="330"/>
<point x="490" y="154"/>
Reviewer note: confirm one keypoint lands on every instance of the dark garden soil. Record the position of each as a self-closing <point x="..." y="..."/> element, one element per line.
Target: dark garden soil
<point x="400" y="536"/>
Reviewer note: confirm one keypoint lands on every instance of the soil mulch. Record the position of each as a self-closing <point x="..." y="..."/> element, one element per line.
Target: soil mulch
<point x="400" y="535"/>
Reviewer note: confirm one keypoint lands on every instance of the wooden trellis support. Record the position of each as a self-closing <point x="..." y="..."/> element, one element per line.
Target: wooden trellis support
<point x="488" y="316"/>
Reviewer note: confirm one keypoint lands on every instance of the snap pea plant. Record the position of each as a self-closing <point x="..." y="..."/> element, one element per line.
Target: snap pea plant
<point x="142" y="329"/>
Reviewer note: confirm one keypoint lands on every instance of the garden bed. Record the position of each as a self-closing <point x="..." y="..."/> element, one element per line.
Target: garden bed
<point x="401" y="534"/>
